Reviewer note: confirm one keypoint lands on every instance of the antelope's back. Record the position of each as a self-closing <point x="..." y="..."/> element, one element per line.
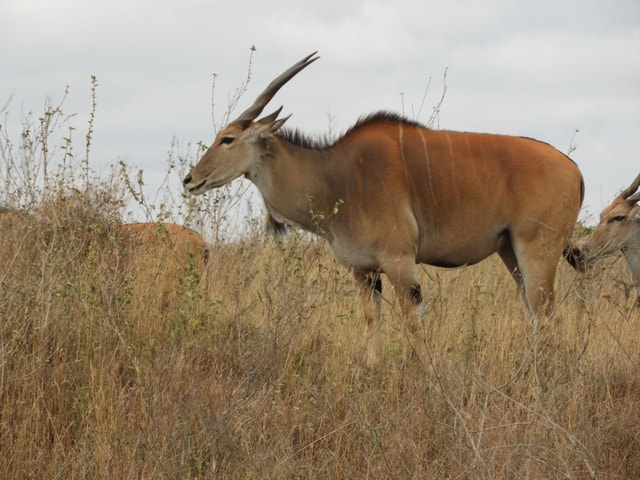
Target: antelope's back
<point x="484" y="180"/>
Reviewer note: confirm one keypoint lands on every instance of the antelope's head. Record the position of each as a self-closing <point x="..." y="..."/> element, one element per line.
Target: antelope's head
<point x="619" y="226"/>
<point x="236" y="148"/>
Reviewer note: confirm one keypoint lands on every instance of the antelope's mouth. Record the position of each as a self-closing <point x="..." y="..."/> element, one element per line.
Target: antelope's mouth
<point x="206" y="185"/>
<point x="197" y="189"/>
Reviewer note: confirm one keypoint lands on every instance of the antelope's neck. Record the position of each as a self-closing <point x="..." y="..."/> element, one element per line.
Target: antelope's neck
<point x="293" y="182"/>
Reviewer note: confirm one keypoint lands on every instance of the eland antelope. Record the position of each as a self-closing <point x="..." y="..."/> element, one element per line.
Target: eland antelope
<point x="619" y="231"/>
<point x="165" y="256"/>
<point x="391" y="193"/>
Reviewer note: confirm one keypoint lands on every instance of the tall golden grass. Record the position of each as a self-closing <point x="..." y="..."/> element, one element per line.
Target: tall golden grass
<point x="258" y="372"/>
<point x="263" y="376"/>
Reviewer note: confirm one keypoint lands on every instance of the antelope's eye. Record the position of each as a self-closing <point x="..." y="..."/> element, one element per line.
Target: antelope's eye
<point x="618" y="218"/>
<point x="227" y="140"/>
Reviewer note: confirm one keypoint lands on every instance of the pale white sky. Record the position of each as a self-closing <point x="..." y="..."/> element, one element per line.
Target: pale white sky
<point x="539" y="69"/>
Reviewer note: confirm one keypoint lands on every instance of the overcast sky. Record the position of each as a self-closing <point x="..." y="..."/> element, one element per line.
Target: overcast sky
<point x="539" y="68"/>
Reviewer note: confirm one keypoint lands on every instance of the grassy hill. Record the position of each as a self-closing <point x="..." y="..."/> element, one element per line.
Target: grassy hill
<point x="255" y="369"/>
<point x="261" y="373"/>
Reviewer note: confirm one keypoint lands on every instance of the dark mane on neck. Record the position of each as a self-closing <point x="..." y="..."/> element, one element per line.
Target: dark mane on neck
<point x="385" y="116"/>
<point x="303" y="140"/>
<point x="300" y="139"/>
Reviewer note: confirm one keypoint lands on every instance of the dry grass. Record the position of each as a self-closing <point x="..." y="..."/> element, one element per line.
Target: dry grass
<point x="262" y="377"/>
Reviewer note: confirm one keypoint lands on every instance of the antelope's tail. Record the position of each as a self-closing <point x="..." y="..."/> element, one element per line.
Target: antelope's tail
<point x="576" y="258"/>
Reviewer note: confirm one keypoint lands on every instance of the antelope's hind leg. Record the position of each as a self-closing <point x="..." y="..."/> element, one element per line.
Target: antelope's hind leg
<point x="538" y="260"/>
<point x="508" y="257"/>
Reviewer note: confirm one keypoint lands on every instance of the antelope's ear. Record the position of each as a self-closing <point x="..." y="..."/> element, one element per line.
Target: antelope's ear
<point x="635" y="198"/>
<point x="635" y="213"/>
<point x="273" y="127"/>
<point x="270" y="118"/>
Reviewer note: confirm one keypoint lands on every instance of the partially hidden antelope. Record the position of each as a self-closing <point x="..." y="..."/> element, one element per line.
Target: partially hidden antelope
<point x="165" y="256"/>
<point x="619" y="231"/>
<point x="391" y="193"/>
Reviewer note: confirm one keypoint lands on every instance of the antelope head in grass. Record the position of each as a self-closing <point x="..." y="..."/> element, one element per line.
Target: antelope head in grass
<point x="619" y="232"/>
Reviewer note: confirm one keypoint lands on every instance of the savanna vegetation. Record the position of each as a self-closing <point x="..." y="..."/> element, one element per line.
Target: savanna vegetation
<point x="256" y="369"/>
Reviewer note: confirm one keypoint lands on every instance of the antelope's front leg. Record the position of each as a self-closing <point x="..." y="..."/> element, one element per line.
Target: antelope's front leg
<point x="370" y="286"/>
<point x="402" y="274"/>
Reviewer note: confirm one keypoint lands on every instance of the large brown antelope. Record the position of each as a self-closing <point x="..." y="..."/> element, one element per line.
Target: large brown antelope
<point x="390" y="193"/>
<point x="619" y="231"/>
